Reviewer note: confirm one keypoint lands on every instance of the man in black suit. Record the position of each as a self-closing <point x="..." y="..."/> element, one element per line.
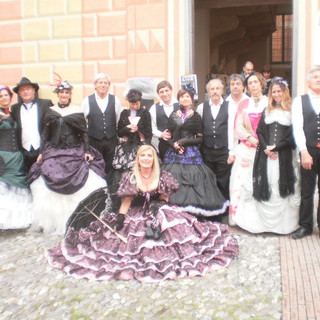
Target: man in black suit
<point x="29" y="114"/>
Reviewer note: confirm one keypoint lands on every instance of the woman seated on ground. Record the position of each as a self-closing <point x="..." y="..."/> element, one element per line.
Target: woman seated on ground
<point x="162" y="241"/>
<point x="134" y="129"/>
<point x="15" y="196"/>
<point x="199" y="193"/>
<point x="67" y="168"/>
<point x="274" y="206"/>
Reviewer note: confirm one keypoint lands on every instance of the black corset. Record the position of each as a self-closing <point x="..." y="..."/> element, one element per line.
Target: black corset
<point x="8" y="140"/>
<point x="276" y="133"/>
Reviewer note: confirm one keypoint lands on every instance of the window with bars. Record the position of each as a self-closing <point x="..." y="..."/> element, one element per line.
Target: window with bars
<point x="281" y="44"/>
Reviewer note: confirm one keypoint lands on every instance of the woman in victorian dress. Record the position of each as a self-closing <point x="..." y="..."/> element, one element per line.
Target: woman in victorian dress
<point x="67" y="168"/>
<point x="246" y="123"/>
<point x="270" y="203"/>
<point x="162" y="241"/>
<point x="199" y="193"/>
<point x="15" y="195"/>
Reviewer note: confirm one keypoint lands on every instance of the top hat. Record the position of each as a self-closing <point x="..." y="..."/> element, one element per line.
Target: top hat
<point x="25" y="81"/>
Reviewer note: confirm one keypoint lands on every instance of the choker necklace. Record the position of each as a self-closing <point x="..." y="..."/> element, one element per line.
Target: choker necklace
<point x="146" y="177"/>
<point x="279" y="105"/>
<point x="60" y="105"/>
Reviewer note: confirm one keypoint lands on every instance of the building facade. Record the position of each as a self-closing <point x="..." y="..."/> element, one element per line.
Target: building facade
<point x="161" y="39"/>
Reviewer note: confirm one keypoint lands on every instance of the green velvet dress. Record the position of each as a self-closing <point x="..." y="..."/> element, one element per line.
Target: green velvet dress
<point x="15" y="196"/>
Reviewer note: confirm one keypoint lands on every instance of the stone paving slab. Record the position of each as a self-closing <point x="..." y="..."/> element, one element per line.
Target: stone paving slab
<point x="300" y="269"/>
<point x="29" y="289"/>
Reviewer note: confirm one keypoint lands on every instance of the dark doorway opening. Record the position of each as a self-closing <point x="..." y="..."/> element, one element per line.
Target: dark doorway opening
<point x="230" y="32"/>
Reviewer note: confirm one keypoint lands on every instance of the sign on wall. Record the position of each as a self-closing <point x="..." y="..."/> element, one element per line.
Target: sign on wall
<point x="191" y="81"/>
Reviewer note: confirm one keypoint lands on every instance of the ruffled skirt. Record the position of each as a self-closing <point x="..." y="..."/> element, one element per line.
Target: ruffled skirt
<point x="15" y="207"/>
<point x="278" y="215"/>
<point x="51" y="210"/>
<point x="198" y="193"/>
<point x="186" y="248"/>
<point x="240" y="173"/>
<point x="64" y="169"/>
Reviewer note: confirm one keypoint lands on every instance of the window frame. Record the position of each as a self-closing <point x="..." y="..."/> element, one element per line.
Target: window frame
<point x="284" y="39"/>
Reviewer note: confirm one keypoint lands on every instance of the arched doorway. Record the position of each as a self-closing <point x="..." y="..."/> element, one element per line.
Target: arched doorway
<point x="229" y="32"/>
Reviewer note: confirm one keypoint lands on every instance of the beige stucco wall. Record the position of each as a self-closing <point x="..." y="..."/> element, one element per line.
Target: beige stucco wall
<point x="79" y="38"/>
<point x="125" y="38"/>
<point x="306" y="41"/>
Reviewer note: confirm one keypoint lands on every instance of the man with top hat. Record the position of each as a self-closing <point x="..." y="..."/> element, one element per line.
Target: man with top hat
<point x="29" y="114"/>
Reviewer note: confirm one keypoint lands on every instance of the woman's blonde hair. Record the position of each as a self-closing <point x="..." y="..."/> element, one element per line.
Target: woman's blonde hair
<point x="286" y="98"/>
<point x="155" y="173"/>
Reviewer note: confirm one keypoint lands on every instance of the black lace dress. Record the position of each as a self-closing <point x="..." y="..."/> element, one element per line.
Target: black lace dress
<point x="126" y="151"/>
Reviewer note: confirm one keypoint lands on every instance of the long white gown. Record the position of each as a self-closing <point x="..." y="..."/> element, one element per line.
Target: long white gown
<point x="246" y="123"/>
<point x="278" y="215"/>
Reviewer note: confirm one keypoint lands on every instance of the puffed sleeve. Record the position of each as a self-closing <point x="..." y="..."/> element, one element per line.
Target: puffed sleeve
<point x="167" y="184"/>
<point x="126" y="188"/>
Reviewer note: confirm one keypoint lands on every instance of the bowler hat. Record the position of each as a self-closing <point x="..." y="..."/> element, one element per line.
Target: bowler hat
<point x="25" y="81"/>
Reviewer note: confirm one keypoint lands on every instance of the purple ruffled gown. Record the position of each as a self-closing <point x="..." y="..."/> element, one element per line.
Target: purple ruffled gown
<point x="186" y="247"/>
<point x="63" y="178"/>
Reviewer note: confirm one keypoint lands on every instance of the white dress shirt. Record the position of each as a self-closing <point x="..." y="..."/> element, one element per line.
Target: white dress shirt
<point x="297" y="118"/>
<point x="168" y="109"/>
<point x="233" y="104"/>
<point x="215" y="108"/>
<point x="29" y="126"/>
<point x="102" y="104"/>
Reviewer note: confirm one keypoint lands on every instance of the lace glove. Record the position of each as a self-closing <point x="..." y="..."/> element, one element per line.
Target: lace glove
<point x="85" y="139"/>
<point x="119" y="223"/>
<point x="190" y="141"/>
<point x="44" y="136"/>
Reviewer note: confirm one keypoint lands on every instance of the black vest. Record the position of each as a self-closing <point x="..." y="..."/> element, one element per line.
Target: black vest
<point x="161" y="116"/>
<point x="215" y="131"/>
<point x="102" y="125"/>
<point x="311" y="122"/>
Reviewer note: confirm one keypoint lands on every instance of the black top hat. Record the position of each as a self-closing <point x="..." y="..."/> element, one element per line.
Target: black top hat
<point x="25" y="81"/>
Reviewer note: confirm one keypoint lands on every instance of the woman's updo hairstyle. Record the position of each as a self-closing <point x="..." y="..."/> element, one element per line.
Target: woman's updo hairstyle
<point x="134" y="95"/>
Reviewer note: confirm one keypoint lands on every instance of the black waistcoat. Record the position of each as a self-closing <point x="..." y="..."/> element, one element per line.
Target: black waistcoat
<point x="102" y="125"/>
<point x="215" y="131"/>
<point x="161" y="116"/>
<point x="311" y="122"/>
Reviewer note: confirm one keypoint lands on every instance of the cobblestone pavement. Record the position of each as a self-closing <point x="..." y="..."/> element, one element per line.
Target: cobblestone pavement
<point x="29" y="289"/>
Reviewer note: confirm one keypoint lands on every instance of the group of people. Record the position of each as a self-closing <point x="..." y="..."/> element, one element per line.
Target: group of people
<point x="233" y="157"/>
